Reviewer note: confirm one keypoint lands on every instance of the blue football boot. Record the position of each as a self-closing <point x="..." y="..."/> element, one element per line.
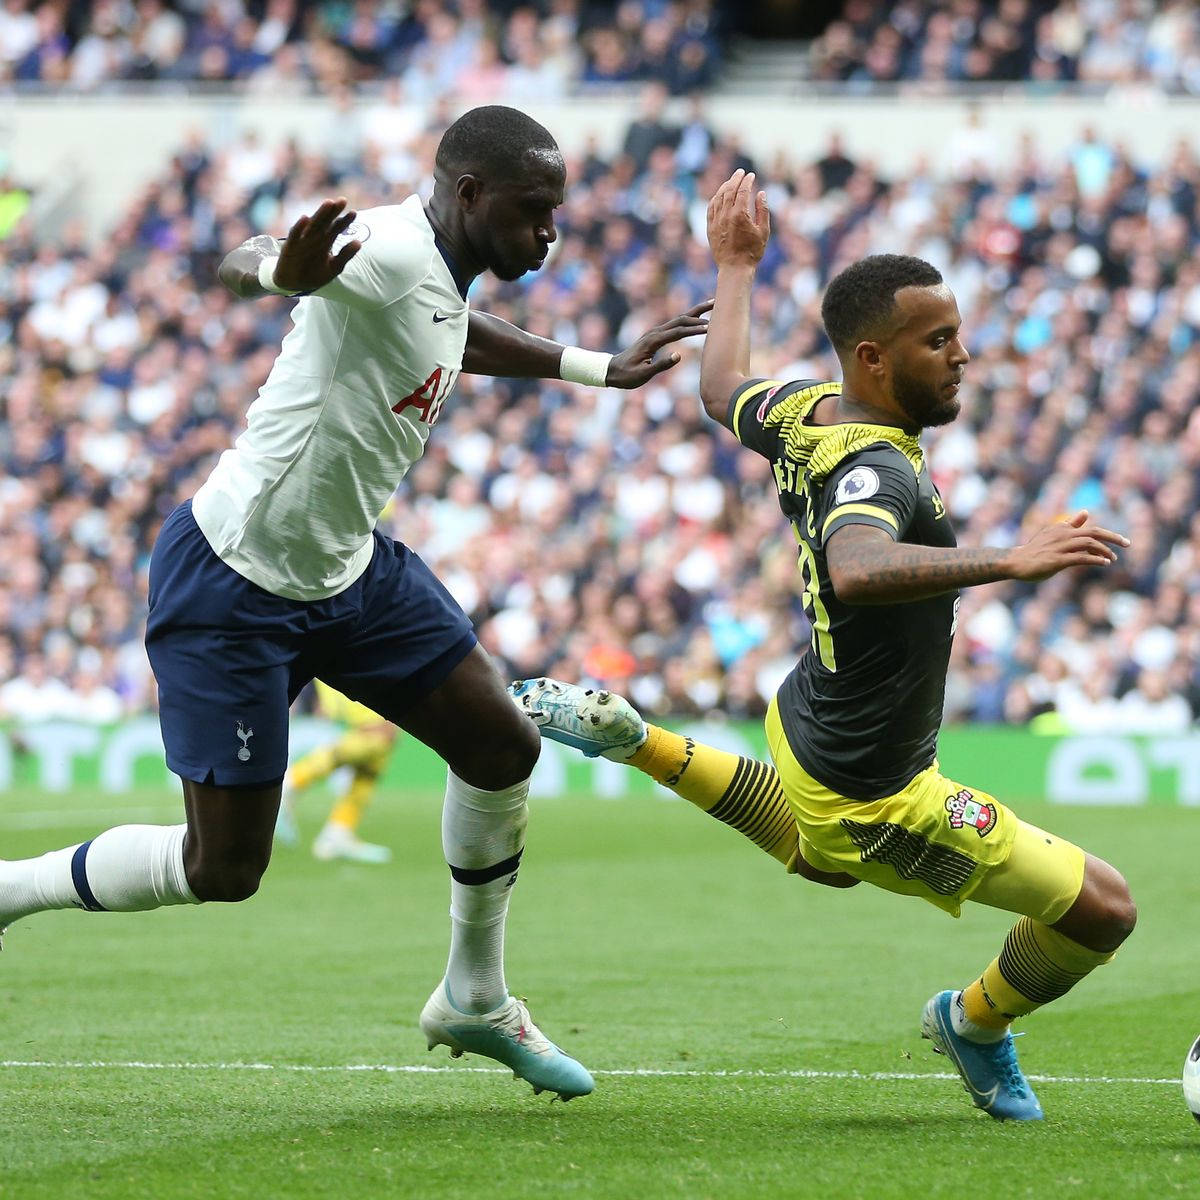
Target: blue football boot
<point x="989" y="1071"/>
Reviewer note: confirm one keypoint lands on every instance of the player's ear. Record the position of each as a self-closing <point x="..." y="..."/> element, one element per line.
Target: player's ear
<point x="870" y="357"/>
<point x="468" y="189"/>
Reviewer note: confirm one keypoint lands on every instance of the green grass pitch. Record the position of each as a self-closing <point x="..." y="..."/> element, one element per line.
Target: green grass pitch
<point x="752" y="1035"/>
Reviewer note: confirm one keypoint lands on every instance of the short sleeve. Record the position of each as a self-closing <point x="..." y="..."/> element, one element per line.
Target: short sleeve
<point x="389" y="264"/>
<point x="877" y="486"/>
<point x="750" y="409"/>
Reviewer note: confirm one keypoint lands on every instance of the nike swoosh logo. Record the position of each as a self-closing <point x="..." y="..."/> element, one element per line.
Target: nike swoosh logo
<point x="439" y="317"/>
<point x="988" y="1098"/>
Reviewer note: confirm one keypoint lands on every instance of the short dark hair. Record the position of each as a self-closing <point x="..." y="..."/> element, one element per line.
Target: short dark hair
<point x="491" y="141"/>
<point x="860" y="300"/>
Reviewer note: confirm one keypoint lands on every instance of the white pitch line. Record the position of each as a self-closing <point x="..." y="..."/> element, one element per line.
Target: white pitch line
<point x="636" y="1072"/>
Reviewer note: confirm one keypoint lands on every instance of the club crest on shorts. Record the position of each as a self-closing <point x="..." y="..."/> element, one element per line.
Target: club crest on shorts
<point x="968" y="813"/>
<point x="245" y="734"/>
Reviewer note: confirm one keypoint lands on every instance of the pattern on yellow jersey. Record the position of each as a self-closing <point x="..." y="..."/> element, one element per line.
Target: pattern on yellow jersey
<point x="810" y="453"/>
<point x="813" y="451"/>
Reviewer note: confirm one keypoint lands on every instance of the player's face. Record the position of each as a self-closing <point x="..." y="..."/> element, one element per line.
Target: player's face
<point x="926" y="355"/>
<point x="516" y="222"/>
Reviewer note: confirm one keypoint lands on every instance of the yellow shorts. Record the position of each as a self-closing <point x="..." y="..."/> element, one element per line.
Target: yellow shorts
<point x="934" y="838"/>
<point x="336" y="707"/>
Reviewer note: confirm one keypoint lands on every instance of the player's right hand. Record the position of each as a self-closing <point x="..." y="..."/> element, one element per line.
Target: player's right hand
<point x="1070" y="543"/>
<point x="306" y="260"/>
<point x="739" y="224"/>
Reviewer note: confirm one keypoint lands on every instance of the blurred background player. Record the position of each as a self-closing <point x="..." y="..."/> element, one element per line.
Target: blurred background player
<point x="363" y="747"/>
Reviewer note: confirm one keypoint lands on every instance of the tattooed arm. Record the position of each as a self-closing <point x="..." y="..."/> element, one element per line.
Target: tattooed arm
<point x="867" y="567"/>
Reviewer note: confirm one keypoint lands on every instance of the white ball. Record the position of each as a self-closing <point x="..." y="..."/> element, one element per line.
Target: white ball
<point x="1191" y="1079"/>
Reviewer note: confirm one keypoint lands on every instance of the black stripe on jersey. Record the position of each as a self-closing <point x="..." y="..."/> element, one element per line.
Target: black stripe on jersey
<point x="941" y="869"/>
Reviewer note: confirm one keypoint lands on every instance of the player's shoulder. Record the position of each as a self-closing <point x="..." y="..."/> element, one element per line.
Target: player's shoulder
<point x="770" y="401"/>
<point x="397" y="236"/>
<point x="867" y="472"/>
<point x="884" y="453"/>
<point x="880" y="448"/>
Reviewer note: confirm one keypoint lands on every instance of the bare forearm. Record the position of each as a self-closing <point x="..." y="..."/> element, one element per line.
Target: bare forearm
<point x="899" y="573"/>
<point x="726" y="360"/>
<point x="239" y="268"/>
<point x="496" y="347"/>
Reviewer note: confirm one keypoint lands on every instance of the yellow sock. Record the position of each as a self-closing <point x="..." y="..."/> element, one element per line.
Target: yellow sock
<point x="312" y="768"/>
<point x="367" y="752"/>
<point x="348" y="811"/>
<point x="1038" y="964"/>
<point x="740" y="792"/>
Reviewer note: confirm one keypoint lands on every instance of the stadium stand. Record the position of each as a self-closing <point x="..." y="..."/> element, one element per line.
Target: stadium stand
<point x="621" y="538"/>
<point x="1085" y="42"/>
<point x="470" y="48"/>
<point x="478" y="50"/>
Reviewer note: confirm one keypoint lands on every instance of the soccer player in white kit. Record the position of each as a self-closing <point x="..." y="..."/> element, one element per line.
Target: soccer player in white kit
<point x="274" y="574"/>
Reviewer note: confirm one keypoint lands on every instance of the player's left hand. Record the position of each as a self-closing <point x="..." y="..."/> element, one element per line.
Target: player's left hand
<point x="739" y="223"/>
<point x="637" y="365"/>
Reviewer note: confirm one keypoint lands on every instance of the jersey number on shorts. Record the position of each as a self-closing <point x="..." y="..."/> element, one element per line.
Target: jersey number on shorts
<point x="430" y="396"/>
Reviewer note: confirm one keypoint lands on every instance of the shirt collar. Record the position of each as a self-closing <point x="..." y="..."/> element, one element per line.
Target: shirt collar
<point x="460" y="280"/>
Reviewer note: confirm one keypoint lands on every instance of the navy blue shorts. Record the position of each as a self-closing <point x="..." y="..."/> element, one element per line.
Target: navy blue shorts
<point x="231" y="657"/>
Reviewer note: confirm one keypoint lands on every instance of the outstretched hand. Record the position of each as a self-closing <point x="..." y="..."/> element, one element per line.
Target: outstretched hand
<point x="739" y="223"/>
<point x="1074" y="542"/>
<point x="307" y="261"/>
<point x="637" y="365"/>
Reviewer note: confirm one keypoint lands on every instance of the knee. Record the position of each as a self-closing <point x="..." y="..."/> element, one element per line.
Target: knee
<point x="500" y="757"/>
<point x="1118" y="915"/>
<point x="1112" y="914"/>
<point x="226" y="882"/>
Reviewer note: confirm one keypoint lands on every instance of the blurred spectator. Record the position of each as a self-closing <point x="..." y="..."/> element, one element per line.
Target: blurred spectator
<point x="622" y="538"/>
<point x="1045" y="43"/>
<point x="468" y="49"/>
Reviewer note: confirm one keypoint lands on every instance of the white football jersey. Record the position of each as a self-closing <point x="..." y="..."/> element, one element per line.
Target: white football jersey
<point x="345" y="412"/>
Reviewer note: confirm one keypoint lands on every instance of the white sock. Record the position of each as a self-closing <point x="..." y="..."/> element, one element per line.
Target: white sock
<point x="483" y="834"/>
<point x="966" y="1028"/>
<point x="128" y="869"/>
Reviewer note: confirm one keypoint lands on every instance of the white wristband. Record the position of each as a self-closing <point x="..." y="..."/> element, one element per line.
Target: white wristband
<point x="266" y="277"/>
<point x="584" y="366"/>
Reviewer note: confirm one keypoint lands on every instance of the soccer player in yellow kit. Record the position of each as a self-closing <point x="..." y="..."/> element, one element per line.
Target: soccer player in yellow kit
<point x="853" y="729"/>
<point x="364" y="746"/>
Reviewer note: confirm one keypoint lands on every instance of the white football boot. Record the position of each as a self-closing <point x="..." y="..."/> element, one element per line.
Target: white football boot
<point x="336" y="841"/>
<point x="596" y="723"/>
<point x="508" y="1035"/>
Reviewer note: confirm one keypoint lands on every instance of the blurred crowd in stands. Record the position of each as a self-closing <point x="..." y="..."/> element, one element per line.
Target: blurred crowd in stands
<point x="1041" y="42"/>
<point x="479" y="50"/>
<point x="622" y="538"/>
<point x="519" y="49"/>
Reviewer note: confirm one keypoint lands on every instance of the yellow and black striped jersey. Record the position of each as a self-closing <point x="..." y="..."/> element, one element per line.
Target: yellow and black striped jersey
<point x="862" y="710"/>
